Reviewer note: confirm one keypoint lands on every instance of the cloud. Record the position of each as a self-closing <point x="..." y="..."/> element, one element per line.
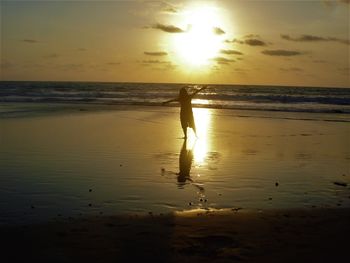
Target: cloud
<point x="319" y="61"/>
<point x="30" y="41"/>
<point x="34" y="66"/>
<point x="311" y="38"/>
<point x="333" y="3"/>
<point x="170" y="66"/>
<point x="168" y="28"/>
<point x="222" y="60"/>
<point x="159" y="64"/>
<point x="252" y="36"/>
<point x="230" y="52"/>
<point x="254" y="42"/>
<point x="295" y="69"/>
<point x="50" y="56"/>
<point x="240" y="69"/>
<point x="282" y="52"/>
<point x="218" y="31"/>
<point x="113" y="63"/>
<point x="250" y="40"/>
<point x="158" y="53"/>
<point x="71" y="66"/>
<point x="170" y="9"/>
<point x="155" y="61"/>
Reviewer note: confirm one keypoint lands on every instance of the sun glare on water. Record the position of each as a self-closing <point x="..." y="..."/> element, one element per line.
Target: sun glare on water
<point x="202" y="40"/>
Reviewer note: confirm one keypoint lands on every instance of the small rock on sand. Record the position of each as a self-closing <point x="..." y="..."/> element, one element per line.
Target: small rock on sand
<point x="340" y="183"/>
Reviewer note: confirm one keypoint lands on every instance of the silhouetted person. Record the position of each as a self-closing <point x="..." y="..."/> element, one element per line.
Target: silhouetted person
<point x="185" y="163"/>
<point x="186" y="113"/>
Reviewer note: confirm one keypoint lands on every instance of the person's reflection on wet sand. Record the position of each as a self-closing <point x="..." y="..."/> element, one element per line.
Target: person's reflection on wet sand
<point x="185" y="163"/>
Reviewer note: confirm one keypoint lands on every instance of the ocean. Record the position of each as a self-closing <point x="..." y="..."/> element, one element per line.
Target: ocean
<point x="246" y="97"/>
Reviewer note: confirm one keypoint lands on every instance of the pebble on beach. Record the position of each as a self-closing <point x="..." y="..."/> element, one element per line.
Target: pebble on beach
<point x="340" y="184"/>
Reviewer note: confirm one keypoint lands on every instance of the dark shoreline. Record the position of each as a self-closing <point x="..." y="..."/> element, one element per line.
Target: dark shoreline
<point x="305" y="235"/>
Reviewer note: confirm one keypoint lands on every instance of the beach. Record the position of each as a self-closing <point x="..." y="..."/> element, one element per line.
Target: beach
<point x="174" y="131"/>
<point x="100" y="183"/>
<point x="319" y="235"/>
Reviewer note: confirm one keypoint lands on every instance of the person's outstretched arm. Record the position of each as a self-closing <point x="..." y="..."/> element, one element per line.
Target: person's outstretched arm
<point x="168" y="101"/>
<point x="198" y="90"/>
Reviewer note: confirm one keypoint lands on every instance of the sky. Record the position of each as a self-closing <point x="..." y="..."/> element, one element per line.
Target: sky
<point x="285" y="42"/>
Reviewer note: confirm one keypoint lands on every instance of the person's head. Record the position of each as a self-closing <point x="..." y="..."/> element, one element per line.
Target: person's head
<point x="183" y="92"/>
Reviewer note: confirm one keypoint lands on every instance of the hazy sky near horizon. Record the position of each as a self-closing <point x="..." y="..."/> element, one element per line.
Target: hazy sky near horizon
<point x="226" y="42"/>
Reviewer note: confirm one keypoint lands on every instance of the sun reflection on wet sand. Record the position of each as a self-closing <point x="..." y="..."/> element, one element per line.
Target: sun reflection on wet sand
<point x="200" y="145"/>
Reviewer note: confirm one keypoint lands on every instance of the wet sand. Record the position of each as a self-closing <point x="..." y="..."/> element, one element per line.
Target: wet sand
<point x="73" y="177"/>
<point x="130" y="156"/>
<point x="315" y="235"/>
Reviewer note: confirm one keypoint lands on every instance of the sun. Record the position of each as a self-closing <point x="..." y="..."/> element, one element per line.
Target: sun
<point x="202" y="39"/>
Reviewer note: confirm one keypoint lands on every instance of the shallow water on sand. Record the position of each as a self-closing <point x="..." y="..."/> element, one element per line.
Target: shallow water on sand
<point x="88" y="162"/>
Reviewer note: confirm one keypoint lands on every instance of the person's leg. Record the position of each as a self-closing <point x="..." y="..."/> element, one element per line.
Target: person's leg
<point x="185" y="132"/>
<point x="184" y="125"/>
